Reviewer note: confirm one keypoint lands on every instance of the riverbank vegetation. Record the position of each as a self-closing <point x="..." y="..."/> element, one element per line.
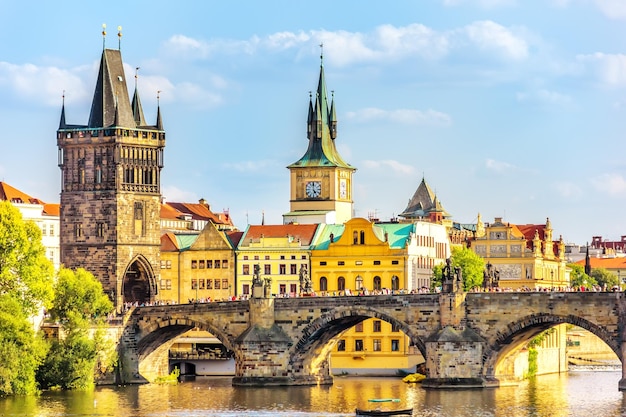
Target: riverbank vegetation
<point x="28" y="288"/>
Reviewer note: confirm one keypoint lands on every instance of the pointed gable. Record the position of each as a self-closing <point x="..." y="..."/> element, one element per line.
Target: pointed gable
<point x="211" y="238"/>
<point x="422" y="203"/>
<point x="110" y="98"/>
<point x="13" y="195"/>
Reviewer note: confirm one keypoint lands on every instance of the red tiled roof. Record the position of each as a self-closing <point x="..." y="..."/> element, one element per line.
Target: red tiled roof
<point x="14" y="195"/>
<point x="606" y="263"/>
<point x="52" y="209"/>
<point x="235" y="237"/>
<point x="304" y="232"/>
<point x="168" y="243"/>
<point x="198" y="211"/>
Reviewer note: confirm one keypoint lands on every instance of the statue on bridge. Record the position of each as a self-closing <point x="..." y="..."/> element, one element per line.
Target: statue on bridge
<point x="256" y="277"/>
<point x="451" y="278"/>
<point x="491" y="277"/>
<point x="306" y="286"/>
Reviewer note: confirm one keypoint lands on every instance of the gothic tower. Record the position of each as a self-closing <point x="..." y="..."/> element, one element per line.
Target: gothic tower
<point x="321" y="182"/>
<point x="110" y="189"/>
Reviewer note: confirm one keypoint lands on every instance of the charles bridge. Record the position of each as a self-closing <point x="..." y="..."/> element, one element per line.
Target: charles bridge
<point x="464" y="337"/>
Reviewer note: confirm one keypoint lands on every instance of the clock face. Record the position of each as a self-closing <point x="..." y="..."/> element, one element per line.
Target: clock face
<point x="342" y="189"/>
<point x="313" y="189"/>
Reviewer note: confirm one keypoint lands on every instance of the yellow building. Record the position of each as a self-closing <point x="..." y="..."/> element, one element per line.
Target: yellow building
<point x="279" y="252"/>
<point x="523" y="256"/>
<point x="362" y="258"/>
<point x="196" y="266"/>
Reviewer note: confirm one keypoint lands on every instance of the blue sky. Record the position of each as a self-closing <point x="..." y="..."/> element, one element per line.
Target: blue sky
<point x="508" y="108"/>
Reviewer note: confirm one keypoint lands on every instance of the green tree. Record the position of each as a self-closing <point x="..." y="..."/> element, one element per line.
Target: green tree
<point x="21" y="350"/>
<point x="604" y="277"/>
<point x="472" y="267"/>
<point x="79" y="305"/>
<point x="25" y="272"/>
<point x="578" y="278"/>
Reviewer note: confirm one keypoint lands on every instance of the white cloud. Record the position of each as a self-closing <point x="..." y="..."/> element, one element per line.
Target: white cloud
<point x="614" y="9"/>
<point x="498" y="166"/>
<point x="490" y="36"/>
<point x="612" y="184"/>
<point x="176" y="195"/>
<point x="403" y="116"/>
<point x="610" y="68"/>
<point x="388" y="163"/>
<point x="544" y="96"/>
<point x="43" y="84"/>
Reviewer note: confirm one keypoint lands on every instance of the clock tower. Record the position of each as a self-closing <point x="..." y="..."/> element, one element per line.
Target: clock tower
<point x="321" y="181"/>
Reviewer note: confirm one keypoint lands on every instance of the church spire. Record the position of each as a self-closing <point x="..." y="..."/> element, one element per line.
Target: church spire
<point x="321" y="129"/>
<point x="136" y="104"/>
<point x="62" y="123"/>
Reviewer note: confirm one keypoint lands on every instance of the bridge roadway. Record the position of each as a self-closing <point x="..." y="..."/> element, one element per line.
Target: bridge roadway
<point x="464" y="337"/>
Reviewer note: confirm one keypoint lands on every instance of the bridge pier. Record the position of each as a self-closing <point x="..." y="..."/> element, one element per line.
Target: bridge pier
<point x="263" y="353"/>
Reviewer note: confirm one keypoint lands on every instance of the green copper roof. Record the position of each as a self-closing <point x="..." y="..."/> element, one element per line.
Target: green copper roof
<point x="185" y="241"/>
<point x="322" y="237"/>
<point x="321" y="130"/>
<point x="397" y="233"/>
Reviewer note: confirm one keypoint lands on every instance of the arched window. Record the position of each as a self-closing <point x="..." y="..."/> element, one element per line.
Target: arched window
<point x="341" y="284"/>
<point x="362" y="237"/>
<point x="377" y="283"/>
<point x="355" y="237"/>
<point x="323" y="284"/>
<point x="395" y="283"/>
<point x="359" y="283"/>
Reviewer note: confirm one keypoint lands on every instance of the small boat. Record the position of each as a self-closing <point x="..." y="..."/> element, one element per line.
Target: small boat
<point x="405" y="412"/>
<point x="384" y="400"/>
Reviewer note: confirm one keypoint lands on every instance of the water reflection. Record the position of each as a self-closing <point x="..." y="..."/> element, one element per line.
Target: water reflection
<point x="576" y="394"/>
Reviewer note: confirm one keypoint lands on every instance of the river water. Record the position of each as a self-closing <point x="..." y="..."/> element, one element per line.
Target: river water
<point x="588" y="393"/>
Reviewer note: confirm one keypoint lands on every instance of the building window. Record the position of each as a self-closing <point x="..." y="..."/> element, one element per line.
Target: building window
<point x="51" y="230"/>
<point x="209" y="284"/>
<point x="395" y="327"/>
<point x="377" y="345"/>
<point x="293" y="256"/>
<point x="245" y="289"/>
<point x="341" y="263"/>
<point x="395" y="262"/>
<point x="395" y="283"/>
<point x="341" y="284"/>
<point x="100" y="229"/>
<point x="201" y="264"/>
<point x="78" y="230"/>
<point x="43" y="229"/>
<point x="355" y="238"/>
<point x="256" y="257"/>
<point x="217" y="264"/>
<point x="209" y="263"/>
<point x="245" y="270"/>
<point x="376" y="262"/>
<point x="323" y="284"/>
<point x="202" y="283"/>
<point x="362" y="237"/>
<point x="245" y="257"/>
<point x="377" y="326"/>
<point x="282" y="269"/>
<point x="217" y="284"/>
<point x="162" y="264"/>
<point x="166" y="284"/>
<point x="303" y="257"/>
<point x="225" y="283"/>
<point x="282" y="257"/>
<point x="293" y="288"/>
<point x="225" y="264"/>
<point x="267" y="257"/>
<point x="377" y="283"/>
<point x="293" y="268"/>
<point x="194" y="264"/>
<point x="358" y="345"/>
<point x="341" y="345"/>
<point x="168" y="265"/>
<point x="194" y="284"/>
<point x="395" y="345"/>
<point x="322" y="263"/>
<point x="359" y="283"/>
<point x="282" y="289"/>
<point x="358" y="327"/>
<point x="267" y="268"/>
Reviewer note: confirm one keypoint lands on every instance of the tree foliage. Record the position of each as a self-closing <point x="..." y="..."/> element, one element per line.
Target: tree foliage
<point x="25" y="272"/>
<point x="79" y="304"/>
<point x="604" y="278"/>
<point x="472" y="267"/>
<point x="578" y="277"/>
<point x="21" y="350"/>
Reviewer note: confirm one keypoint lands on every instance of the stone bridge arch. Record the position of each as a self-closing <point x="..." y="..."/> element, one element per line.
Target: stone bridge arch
<point x="515" y="334"/>
<point x="313" y="348"/>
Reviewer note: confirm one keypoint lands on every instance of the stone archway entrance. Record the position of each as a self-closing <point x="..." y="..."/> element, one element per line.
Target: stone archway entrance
<point x="137" y="284"/>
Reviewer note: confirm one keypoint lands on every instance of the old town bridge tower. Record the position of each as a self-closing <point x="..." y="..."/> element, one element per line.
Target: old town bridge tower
<point x="111" y="188"/>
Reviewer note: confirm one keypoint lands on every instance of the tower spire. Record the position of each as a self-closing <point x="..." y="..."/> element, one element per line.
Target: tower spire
<point x="159" y="123"/>
<point x="62" y="121"/>
<point x="136" y="103"/>
<point x="119" y="38"/>
<point x="104" y="35"/>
